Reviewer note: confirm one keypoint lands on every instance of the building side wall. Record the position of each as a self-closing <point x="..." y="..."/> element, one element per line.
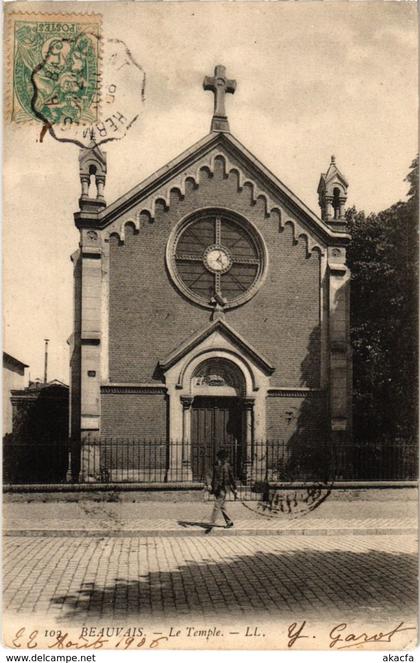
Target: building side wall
<point x="13" y="378"/>
<point x="136" y="416"/>
<point x="297" y="439"/>
<point x="289" y="418"/>
<point x="75" y="353"/>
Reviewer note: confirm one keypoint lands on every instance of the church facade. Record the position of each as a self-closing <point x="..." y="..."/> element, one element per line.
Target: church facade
<point x="211" y="308"/>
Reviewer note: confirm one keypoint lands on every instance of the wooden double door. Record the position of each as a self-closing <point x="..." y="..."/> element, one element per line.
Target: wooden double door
<point x="216" y="423"/>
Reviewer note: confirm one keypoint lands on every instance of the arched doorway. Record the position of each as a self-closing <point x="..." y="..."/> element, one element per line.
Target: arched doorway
<point x="217" y="417"/>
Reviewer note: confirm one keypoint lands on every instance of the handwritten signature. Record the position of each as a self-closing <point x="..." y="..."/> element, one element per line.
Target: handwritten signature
<point x="341" y="638"/>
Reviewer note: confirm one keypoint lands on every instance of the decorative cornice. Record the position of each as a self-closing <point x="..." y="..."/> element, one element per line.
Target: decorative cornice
<point x="294" y="392"/>
<point x="337" y="269"/>
<point x="133" y="389"/>
<point x="92" y="252"/>
<point x="248" y="403"/>
<point x="178" y="184"/>
<point x="228" y="331"/>
<point x="187" y="401"/>
<point x="16" y="399"/>
<point x="90" y="337"/>
<point x="23" y="396"/>
<point x="157" y="189"/>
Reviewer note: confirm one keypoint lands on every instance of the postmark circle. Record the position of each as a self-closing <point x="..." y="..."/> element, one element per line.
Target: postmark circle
<point x="302" y="484"/>
<point x="78" y="85"/>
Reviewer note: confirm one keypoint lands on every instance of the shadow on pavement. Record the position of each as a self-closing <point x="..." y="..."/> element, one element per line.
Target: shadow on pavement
<point x="370" y="585"/>
<point x="195" y="523"/>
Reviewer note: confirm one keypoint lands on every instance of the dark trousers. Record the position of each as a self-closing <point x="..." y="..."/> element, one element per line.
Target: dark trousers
<point x="219" y="506"/>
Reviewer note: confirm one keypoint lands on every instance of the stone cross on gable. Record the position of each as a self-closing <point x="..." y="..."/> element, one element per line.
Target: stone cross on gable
<point x="220" y="85"/>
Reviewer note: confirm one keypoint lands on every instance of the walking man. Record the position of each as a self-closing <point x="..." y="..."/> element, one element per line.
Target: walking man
<point x="222" y="481"/>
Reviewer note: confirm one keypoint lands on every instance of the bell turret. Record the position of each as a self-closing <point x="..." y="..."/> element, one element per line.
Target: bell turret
<point x="332" y="195"/>
<point x="92" y="166"/>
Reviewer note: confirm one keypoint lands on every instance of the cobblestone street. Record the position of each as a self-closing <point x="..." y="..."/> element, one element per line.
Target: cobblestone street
<point x="74" y="579"/>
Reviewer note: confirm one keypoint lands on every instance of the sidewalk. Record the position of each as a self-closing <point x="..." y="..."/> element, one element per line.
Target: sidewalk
<point x="185" y="519"/>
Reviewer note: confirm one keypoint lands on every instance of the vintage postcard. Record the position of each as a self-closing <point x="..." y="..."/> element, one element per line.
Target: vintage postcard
<point x="210" y="326"/>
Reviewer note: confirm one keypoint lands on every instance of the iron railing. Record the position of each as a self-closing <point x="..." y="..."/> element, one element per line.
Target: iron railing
<point x="134" y="460"/>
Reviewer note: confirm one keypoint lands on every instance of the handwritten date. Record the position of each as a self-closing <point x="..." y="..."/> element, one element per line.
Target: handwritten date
<point x="28" y="640"/>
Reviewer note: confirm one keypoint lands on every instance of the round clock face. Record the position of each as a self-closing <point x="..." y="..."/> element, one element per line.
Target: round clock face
<point x="217" y="259"/>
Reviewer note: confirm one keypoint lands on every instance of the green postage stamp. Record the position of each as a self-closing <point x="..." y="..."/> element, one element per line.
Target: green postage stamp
<point x="54" y="68"/>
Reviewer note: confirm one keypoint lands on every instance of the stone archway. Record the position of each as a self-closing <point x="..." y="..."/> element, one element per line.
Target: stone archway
<point x="218" y="363"/>
<point x="218" y="376"/>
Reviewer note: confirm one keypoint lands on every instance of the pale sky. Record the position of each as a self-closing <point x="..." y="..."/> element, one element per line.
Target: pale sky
<point x="313" y="79"/>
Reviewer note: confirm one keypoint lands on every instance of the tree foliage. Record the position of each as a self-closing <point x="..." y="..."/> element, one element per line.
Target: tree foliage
<point x="383" y="257"/>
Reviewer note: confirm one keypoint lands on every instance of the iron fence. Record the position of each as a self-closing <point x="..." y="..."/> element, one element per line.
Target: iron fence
<point x="133" y="460"/>
<point x="35" y="462"/>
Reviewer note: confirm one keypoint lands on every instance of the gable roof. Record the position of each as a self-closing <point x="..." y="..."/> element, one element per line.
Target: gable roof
<point x="232" y="147"/>
<point x="228" y="331"/>
<point x="12" y="360"/>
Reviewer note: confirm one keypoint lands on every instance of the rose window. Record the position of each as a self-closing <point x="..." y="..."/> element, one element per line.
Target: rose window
<point x="217" y="257"/>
